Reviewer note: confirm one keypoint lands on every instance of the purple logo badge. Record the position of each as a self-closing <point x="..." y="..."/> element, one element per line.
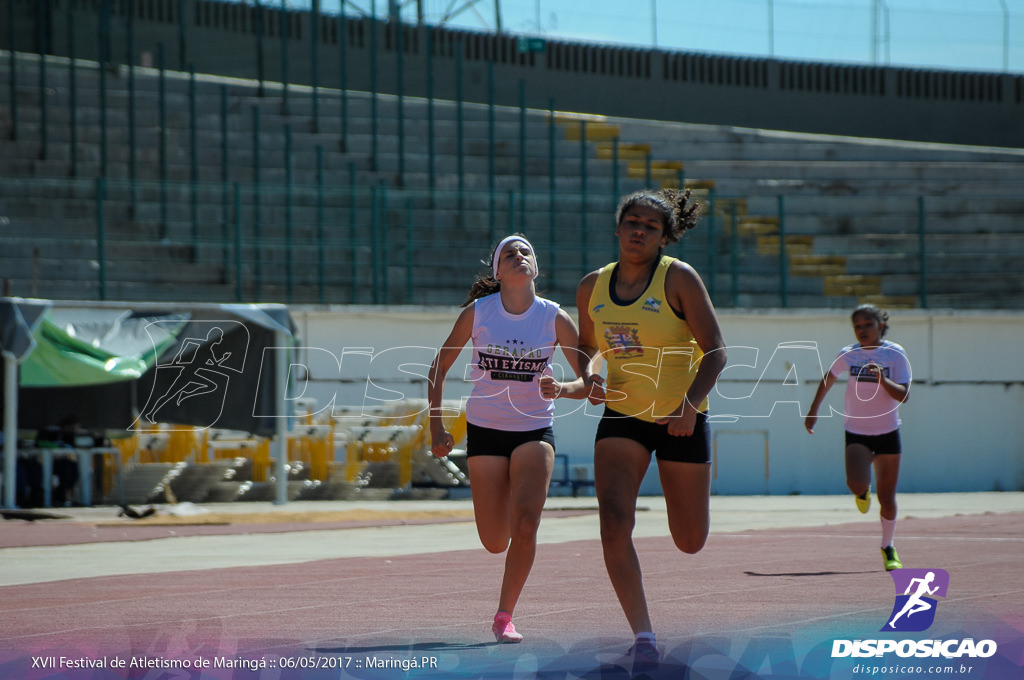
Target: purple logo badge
<point x="916" y="589"/>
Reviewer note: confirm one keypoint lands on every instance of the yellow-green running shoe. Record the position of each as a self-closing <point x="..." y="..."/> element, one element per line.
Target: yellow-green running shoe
<point x="891" y="559"/>
<point x="863" y="502"/>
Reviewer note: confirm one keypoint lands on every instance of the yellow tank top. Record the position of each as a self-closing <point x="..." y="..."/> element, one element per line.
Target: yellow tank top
<point x="651" y="353"/>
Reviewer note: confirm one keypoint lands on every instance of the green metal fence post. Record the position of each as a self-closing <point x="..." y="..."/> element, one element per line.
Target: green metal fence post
<point x="352" y="236"/>
<point x="382" y="253"/>
<point x="616" y="177"/>
<point x="224" y="174"/>
<point x="374" y="236"/>
<point x="400" y="85"/>
<point x="783" y="260"/>
<point x="13" y="82"/>
<point x="238" y="243"/>
<point x="260" y="56"/>
<point x="182" y="35"/>
<point x="459" y="131"/>
<point x="617" y="193"/>
<point x="321" y="247"/>
<point x="552" y="174"/>
<point x="343" y="73"/>
<point x="522" y="156"/>
<point x="492" y="172"/>
<point x="257" y="214"/>
<point x="734" y="252"/>
<point x="922" y="253"/>
<point x="410" y="251"/>
<point x="511" y="212"/>
<point x="373" y="86"/>
<point x="101" y="245"/>
<point x="283" y="30"/>
<point x="712" y="224"/>
<point x="193" y="126"/>
<point x="42" y="17"/>
<point x="584" y="235"/>
<point x="431" y="151"/>
<point x="288" y="225"/>
<point x="163" y="141"/>
<point x="72" y="86"/>
<point x="104" y="47"/>
<point x="314" y="59"/>
<point x="132" y="155"/>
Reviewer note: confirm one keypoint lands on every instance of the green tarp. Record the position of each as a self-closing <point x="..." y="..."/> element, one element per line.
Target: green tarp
<point x="67" y="355"/>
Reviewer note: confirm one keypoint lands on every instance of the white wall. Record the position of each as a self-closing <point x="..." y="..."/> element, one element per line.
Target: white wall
<point x="962" y="428"/>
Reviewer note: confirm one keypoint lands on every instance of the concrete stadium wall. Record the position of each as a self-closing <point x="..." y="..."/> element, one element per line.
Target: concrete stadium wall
<point x="962" y="427"/>
<point x="239" y="40"/>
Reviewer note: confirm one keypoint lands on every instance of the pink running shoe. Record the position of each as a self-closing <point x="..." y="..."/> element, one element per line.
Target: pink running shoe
<point x="503" y="629"/>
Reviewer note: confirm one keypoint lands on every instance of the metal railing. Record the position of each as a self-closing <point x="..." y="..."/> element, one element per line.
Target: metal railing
<point x="258" y="216"/>
<point x="385" y="246"/>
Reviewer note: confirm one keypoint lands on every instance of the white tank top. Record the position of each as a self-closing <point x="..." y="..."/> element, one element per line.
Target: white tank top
<point x="510" y="354"/>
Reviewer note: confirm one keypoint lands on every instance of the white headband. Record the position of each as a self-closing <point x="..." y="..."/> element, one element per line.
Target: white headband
<point x="504" y="242"/>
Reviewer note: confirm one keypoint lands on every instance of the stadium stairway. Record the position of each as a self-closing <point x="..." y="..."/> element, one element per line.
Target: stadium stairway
<point x="851" y="223"/>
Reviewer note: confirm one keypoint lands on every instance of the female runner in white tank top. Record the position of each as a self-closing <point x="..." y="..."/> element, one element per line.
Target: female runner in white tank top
<point x="510" y="413"/>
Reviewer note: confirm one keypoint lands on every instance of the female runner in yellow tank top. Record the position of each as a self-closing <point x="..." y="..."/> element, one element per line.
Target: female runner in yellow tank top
<point x="649" y="317"/>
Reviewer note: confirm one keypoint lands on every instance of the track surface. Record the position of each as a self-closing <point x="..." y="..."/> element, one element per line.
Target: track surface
<point x="779" y="581"/>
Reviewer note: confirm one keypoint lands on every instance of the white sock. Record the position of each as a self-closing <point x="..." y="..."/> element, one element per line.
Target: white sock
<point x="888" y="531"/>
<point x="645" y="637"/>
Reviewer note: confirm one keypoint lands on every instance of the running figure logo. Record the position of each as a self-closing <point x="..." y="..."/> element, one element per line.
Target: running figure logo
<point x="202" y="368"/>
<point x="914" y="609"/>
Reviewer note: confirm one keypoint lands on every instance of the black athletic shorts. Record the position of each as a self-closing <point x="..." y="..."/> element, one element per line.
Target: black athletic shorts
<point x="484" y="441"/>
<point x="888" y="443"/>
<point x="654" y="437"/>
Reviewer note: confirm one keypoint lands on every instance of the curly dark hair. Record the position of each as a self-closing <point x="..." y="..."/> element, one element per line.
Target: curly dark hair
<point x="873" y="312"/>
<point x="678" y="212"/>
